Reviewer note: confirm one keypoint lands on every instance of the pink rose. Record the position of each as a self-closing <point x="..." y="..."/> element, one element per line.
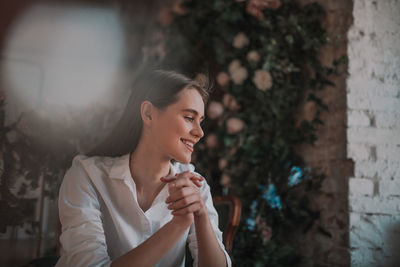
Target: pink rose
<point x="233" y="151"/>
<point x="256" y="7"/>
<point x="240" y="40"/>
<point x="222" y="163"/>
<point x="225" y="180"/>
<point x="165" y="17"/>
<point x="223" y="79"/>
<point x="234" y="125"/>
<point x="239" y="75"/>
<point x="234" y="65"/>
<point x="229" y="101"/>
<point x="262" y="79"/>
<point x="266" y="234"/>
<point x="253" y="56"/>
<point x="237" y="72"/>
<point x="178" y="9"/>
<point x="211" y="140"/>
<point x="215" y="110"/>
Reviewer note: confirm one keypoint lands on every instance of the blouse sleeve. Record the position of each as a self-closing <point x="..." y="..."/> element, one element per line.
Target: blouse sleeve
<point x="82" y="239"/>
<point x="213" y="216"/>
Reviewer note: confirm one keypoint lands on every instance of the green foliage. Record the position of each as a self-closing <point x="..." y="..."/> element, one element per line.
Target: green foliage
<point x="287" y="41"/>
<point x="32" y="165"/>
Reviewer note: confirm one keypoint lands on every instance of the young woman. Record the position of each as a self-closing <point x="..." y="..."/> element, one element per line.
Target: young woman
<point x="136" y="200"/>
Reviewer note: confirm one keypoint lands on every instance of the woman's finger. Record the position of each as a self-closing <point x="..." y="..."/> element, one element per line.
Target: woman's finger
<point x="169" y="179"/>
<point x="190" y="175"/>
<point x="186" y="181"/>
<point x="174" y="184"/>
<point x="195" y="179"/>
<point x="193" y="208"/>
<point x="181" y="193"/>
<point x="184" y="202"/>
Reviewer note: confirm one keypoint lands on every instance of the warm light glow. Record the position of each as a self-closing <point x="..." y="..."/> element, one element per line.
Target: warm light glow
<point x="60" y="56"/>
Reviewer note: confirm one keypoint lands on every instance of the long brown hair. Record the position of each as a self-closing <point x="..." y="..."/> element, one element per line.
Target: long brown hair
<point x="161" y="88"/>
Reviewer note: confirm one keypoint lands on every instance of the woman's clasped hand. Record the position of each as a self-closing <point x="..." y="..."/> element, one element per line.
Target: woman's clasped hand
<point x="185" y="199"/>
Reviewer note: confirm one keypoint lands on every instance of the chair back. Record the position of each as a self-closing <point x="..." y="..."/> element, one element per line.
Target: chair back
<point x="229" y="210"/>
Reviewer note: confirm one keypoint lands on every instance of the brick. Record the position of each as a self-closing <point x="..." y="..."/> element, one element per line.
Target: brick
<point x="359" y="152"/>
<point x="378" y="103"/>
<point x="388" y="120"/>
<point x="389" y="187"/>
<point x="365" y="257"/>
<point x="375" y="232"/>
<point x="391" y="153"/>
<point x="374" y="87"/>
<point x="365" y="232"/>
<point x="377" y="204"/>
<point x="381" y="169"/>
<point x="370" y="135"/>
<point x="358" y="118"/>
<point x="362" y="186"/>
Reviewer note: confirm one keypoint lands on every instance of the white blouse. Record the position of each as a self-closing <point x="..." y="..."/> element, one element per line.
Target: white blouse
<point x="102" y="220"/>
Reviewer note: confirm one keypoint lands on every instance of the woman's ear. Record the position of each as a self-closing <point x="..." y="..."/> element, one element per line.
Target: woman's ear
<point x="147" y="112"/>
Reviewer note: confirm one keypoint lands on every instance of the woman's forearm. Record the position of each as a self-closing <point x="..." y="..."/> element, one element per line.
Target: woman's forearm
<point x="154" y="248"/>
<point x="209" y="251"/>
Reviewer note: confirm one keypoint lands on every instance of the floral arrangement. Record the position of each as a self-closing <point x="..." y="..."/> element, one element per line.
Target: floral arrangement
<point x="264" y="57"/>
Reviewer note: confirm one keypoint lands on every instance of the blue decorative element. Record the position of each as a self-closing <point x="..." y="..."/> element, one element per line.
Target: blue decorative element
<point x="287" y="165"/>
<point x="261" y="187"/>
<point x="253" y="209"/>
<point x="273" y="200"/>
<point x="295" y="176"/>
<point x="251" y="224"/>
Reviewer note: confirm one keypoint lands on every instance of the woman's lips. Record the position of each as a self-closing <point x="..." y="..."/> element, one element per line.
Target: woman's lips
<point x="187" y="146"/>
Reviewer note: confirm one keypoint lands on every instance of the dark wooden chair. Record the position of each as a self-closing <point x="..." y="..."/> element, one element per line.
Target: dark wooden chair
<point x="229" y="210"/>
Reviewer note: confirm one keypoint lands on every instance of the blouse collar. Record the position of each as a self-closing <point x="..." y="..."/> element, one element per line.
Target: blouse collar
<point x="120" y="169"/>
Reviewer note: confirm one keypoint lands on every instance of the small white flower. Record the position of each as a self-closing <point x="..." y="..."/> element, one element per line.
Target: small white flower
<point x="225" y="180"/>
<point x="240" y="40"/>
<point x="234" y="65"/>
<point x="178" y="8"/>
<point x="238" y="73"/>
<point x="215" y="110"/>
<point x="211" y="140"/>
<point x="262" y="79"/>
<point x="230" y="102"/>
<point x="223" y="79"/>
<point x="239" y="76"/>
<point x="222" y="163"/>
<point x="234" y="125"/>
<point x="253" y="56"/>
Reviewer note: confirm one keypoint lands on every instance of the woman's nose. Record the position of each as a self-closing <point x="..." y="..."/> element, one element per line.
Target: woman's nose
<point x="198" y="131"/>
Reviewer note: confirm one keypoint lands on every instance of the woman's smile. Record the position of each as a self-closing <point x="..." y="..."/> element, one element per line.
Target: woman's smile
<point x="179" y="121"/>
<point x="189" y="144"/>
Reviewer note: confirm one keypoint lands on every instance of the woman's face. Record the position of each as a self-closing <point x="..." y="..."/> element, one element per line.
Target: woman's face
<point x="177" y="128"/>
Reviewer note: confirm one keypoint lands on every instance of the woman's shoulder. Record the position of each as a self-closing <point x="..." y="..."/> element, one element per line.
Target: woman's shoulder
<point x="83" y="159"/>
<point x="83" y="166"/>
<point x="92" y="162"/>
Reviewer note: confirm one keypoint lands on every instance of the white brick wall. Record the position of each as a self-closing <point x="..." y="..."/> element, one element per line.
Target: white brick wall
<point x="373" y="134"/>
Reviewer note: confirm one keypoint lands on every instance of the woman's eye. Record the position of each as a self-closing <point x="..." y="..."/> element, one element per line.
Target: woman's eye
<point x="189" y="119"/>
